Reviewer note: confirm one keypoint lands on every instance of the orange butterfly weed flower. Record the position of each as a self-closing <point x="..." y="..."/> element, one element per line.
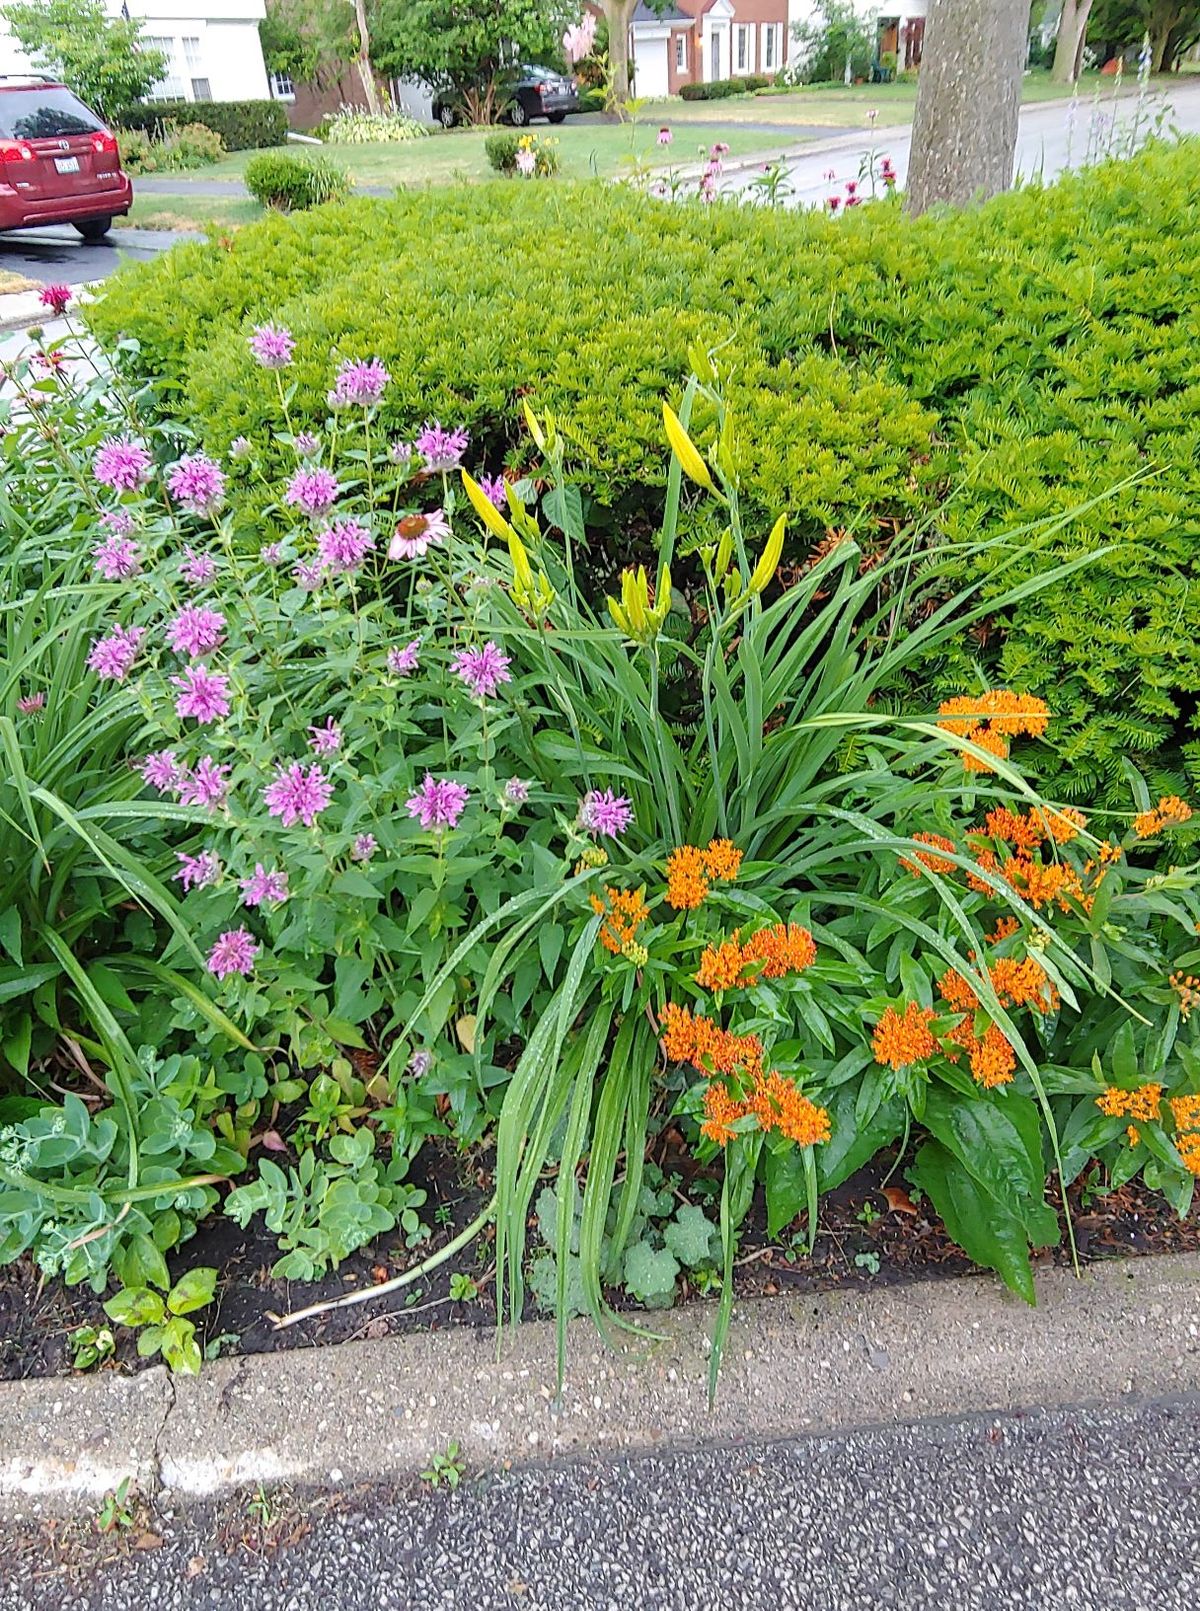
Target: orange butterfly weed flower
<point x="1023" y="984"/>
<point x="992" y="1059"/>
<point x="1188" y="1148"/>
<point x="1041" y="885"/>
<point x="722" y="860"/>
<point x="721" y="965"/>
<point x="987" y="739"/>
<point x="782" y="949"/>
<point x="687" y="886"/>
<point x="955" y="990"/>
<point x="1022" y="832"/>
<point x="1142" y="1104"/>
<point x="705" y="1045"/>
<point x="721" y="1113"/>
<point x="990" y="719"/>
<point x="1017" y="713"/>
<point x="899" y="1041"/>
<point x="1005" y="927"/>
<point x="1185" y="1110"/>
<point x="624" y="911"/>
<point x="926" y="858"/>
<point x="778" y="1105"/>
<point x="1170" y="812"/>
<point x="1132" y="1134"/>
<point x="986" y="860"/>
<point x="1065" y="823"/>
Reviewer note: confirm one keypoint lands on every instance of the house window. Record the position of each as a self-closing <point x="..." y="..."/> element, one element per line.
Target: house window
<point x="771" y="31"/>
<point x="714" y="55"/>
<point x="681" y="53"/>
<point x="201" y="89"/>
<point x="171" y="86"/>
<point x="282" y="87"/>
<point x="743" y="49"/>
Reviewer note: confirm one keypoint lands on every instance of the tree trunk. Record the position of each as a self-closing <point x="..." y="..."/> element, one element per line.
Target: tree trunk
<point x="363" y="60"/>
<point x="617" y="14"/>
<point x="1068" y="47"/>
<point x="968" y="98"/>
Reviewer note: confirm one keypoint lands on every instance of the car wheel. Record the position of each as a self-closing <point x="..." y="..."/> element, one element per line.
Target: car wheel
<point x="557" y="117"/>
<point x="447" y="117"/>
<point x="518" y="116"/>
<point x="94" y="229"/>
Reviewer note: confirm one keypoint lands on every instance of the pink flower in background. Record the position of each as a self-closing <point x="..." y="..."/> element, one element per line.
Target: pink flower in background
<point x="197" y="568"/>
<point x="325" y="740"/>
<point x="438" y="803"/>
<point x="442" y="450"/>
<point x="117" y="521"/>
<point x="364" y="847"/>
<point x="195" y="872"/>
<point x="494" y="487"/>
<point x="233" y="952"/>
<point x="516" y="791"/>
<point x="360" y="382"/>
<point x="414" y="534"/>
<point x="197" y="483"/>
<point x="526" y="162"/>
<point x="196" y="630"/>
<point x="112" y="657"/>
<point x="205" y="785"/>
<point x="308" y="576"/>
<point x="307" y="444"/>
<point x="605" y="813"/>
<point x="117" y="558"/>
<point x="312" y="491"/>
<point x="401" y="453"/>
<point x="56" y="297"/>
<point x="264" y="886"/>
<point x="343" y="546"/>
<point x="298" y="794"/>
<point x="272" y="554"/>
<point x="272" y="345"/>
<point x="401" y="662"/>
<point x="162" y="771"/>
<point x="580" y="38"/>
<point x="204" y="694"/>
<point x="122" y="464"/>
<point x="830" y="176"/>
<point x="483" y="670"/>
<point x="665" y="136"/>
<point x="833" y="203"/>
<point x="30" y="704"/>
<point x="851" y="189"/>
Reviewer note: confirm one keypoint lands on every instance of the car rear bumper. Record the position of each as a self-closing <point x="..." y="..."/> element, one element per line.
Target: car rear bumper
<point x="22" y="212"/>
<point x="559" y="103"/>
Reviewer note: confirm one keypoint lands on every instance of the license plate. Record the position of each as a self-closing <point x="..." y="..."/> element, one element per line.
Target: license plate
<point x="67" y="164"/>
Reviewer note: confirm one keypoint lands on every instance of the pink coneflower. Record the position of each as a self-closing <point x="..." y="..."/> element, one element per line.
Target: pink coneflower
<point x="665" y="136"/>
<point x="298" y="794"/>
<point x="117" y="558"/>
<point x="196" y="630"/>
<point x="441" y="450"/>
<point x="197" y="569"/>
<point x="360" y="382"/>
<point x="195" y="872"/>
<point x="309" y="575"/>
<point x="112" y="657"/>
<point x="364" y="847"/>
<point x="483" y="670"/>
<point x="233" y="952"/>
<point x="605" y="813"/>
<point x="49" y="362"/>
<point x="325" y="740"/>
<point x="526" y="162"/>
<point x="122" y="464"/>
<point x="516" y="791"/>
<point x="313" y="491"/>
<point x="272" y="554"/>
<point x="117" y="521"/>
<point x="30" y="704"/>
<point x="162" y="771"/>
<point x="833" y="203"/>
<point x="204" y="695"/>
<point x="197" y="483"/>
<point x="495" y="488"/>
<point x="272" y="345"/>
<point x="264" y="886"/>
<point x="438" y="803"/>
<point x="402" y="662"/>
<point x="205" y="785"/>
<point x="56" y="297"/>
<point x="719" y="150"/>
<point x="343" y="546"/>
<point x="415" y="533"/>
<point x="307" y="444"/>
<point x="851" y="188"/>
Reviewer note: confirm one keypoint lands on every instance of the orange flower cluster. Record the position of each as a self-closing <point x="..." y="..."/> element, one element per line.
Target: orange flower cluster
<point x="1187" y="987"/>
<point x="1168" y="813"/>
<point x="782" y="949"/>
<point x="900" y="1041"/>
<point x="1005" y="927"/>
<point x="624" y="911"/>
<point x="705" y="1045"/>
<point x="1045" y="883"/>
<point x="1023" y="984"/>
<point x="777" y="1105"/>
<point x="1026" y="831"/>
<point x="721" y="1113"/>
<point x="936" y="864"/>
<point x="990" y="720"/>
<point x="955" y="990"/>
<point x="1185" y="1110"/>
<point x="992" y="1056"/>
<point x="1142" y="1104"/>
<point x="689" y="870"/>
<point x="721" y="965"/>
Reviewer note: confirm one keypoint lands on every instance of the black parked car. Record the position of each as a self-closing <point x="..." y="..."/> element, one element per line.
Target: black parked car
<point x="535" y="92"/>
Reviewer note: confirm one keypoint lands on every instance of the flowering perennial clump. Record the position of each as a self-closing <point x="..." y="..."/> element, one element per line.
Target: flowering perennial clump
<point x="901" y="1041"/>
<point x="1170" y="812"/>
<point x="624" y="911"/>
<point x="690" y="869"/>
<point x="122" y="464"/>
<point x="989" y="720"/>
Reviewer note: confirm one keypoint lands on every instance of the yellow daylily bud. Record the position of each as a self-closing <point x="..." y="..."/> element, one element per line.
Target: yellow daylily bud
<point x="701" y="364"/>
<point x="635" y="595"/>
<point x="685" y="450"/>
<point x="535" y="429"/>
<point x="724" y="554"/>
<point x="620" y="619"/>
<point x="733" y="584"/>
<point x="725" y="448"/>
<point x="485" y="508"/>
<point x="769" y="559"/>
<point x="662" y="604"/>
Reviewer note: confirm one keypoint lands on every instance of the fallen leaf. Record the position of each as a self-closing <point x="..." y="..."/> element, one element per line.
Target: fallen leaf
<point x="898" y="1200"/>
<point x="147" y="1540"/>
<point x="379" y="1272"/>
<point x="465" y="1030"/>
<point x="195" y="1566"/>
<point x="272" y="1141"/>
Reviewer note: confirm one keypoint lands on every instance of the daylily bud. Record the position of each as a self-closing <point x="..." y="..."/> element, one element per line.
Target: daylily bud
<point x="724" y="554"/>
<point x="485" y="508"/>
<point x="770" y="557"/>
<point x="685" y="450"/>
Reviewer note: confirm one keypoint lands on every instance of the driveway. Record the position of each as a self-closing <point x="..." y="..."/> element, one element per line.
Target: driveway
<point x="59" y="255"/>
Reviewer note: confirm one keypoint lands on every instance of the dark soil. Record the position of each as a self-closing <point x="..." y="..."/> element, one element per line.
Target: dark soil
<point x="869" y="1234"/>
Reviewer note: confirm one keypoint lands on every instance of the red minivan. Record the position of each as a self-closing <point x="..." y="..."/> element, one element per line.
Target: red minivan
<point x="58" y="162"/>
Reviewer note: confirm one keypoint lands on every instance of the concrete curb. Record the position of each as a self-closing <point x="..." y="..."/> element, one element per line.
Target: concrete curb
<point x="853" y="140"/>
<point x="20" y="309"/>
<point x="377" y="1411"/>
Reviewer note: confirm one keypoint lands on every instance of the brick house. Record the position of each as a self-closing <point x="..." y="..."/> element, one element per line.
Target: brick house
<point x="697" y="41"/>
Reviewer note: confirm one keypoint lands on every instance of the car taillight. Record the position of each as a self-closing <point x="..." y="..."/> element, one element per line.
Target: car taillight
<point x="104" y="144"/>
<point x="15" y="151"/>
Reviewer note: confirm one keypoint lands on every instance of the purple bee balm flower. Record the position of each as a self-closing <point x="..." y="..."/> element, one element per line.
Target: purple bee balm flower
<point x="204" y="694"/>
<point x="415" y="533"/>
<point x="233" y="952"/>
<point x="117" y="521"/>
<point x="272" y="345"/>
<point x="438" y="803"/>
<point x="117" y="558"/>
<point x="56" y="297"/>
<point x="161" y="771"/>
<point x="364" y="847"/>
<point x="197" y="568"/>
<point x="309" y="577"/>
<point x="196" y="631"/>
<point x="494" y="487"/>
<point x="205" y="785"/>
<point x="112" y="657"/>
<point x="325" y="740"/>
<point x="272" y="554"/>
<point x="195" y="872"/>
<point x="483" y="670"/>
<point x="241" y="447"/>
<point x="343" y="546"/>
<point x="605" y="813"/>
<point x="307" y="444"/>
<point x="401" y="453"/>
<point x="516" y="791"/>
<point x="359" y="382"/>
<point x="298" y="794"/>
<point x="122" y="464"/>
<point x="197" y="483"/>
<point x="30" y="704"/>
<point x="419" y="1064"/>
<point x="264" y="886"/>
<point x="441" y="450"/>
<point x="312" y="491"/>
<point x="402" y="662"/>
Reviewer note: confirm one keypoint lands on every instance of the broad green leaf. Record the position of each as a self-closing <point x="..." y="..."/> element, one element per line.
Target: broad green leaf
<point x="985" y="1230"/>
<point x="192" y="1291"/>
<point x="136" y="1306"/>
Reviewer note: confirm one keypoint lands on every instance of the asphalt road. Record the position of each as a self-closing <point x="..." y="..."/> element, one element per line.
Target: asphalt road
<point x="60" y="255"/>
<point x="1080" y="1510"/>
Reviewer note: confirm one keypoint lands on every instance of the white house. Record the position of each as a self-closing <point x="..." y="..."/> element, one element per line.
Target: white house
<point x="212" y="47"/>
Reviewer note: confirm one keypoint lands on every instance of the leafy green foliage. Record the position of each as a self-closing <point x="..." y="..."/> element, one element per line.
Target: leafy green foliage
<point x="350" y="125"/>
<point x="504" y="147"/>
<point x="104" y="59"/>
<point x="835" y="35"/>
<point x="242" y="125"/>
<point x="179" y="148"/>
<point x="160" y="1317"/>
<point x="720" y="89"/>
<point x="290" y="184"/>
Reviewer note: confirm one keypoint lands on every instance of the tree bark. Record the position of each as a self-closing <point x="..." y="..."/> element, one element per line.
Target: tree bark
<point x="1068" y="47"/>
<point x="363" y="59"/>
<point x="617" y="14"/>
<point x="968" y="99"/>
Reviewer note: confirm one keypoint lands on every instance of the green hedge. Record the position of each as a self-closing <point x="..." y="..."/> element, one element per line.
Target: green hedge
<point x="971" y="371"/>
<point x="718" y="89"/>
<point x="242" y="125"/>
<point x="294" y="183"/>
